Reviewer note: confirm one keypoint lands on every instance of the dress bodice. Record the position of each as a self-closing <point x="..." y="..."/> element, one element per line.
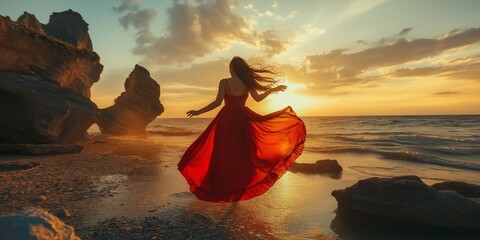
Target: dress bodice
<point x="231" y="100"/>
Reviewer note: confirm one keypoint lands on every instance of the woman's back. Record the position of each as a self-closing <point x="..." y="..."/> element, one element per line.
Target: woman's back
<point x="235" y="87"/>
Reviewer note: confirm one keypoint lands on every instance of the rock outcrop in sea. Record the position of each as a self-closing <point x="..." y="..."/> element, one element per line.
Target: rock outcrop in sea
<point x="34" y="223"/>
<point x="410" y="200"/>
<point x="327" y="167"/>
<point x="46" y="72"/>
<point x="135" y="108"/>
<point x="320" y="166"/>
<point x="60" y="51"/>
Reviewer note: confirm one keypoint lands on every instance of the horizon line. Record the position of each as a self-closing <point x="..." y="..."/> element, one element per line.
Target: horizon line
<point x="387" y="115"/>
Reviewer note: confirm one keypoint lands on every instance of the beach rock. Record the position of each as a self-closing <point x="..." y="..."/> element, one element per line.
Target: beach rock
<point x="40" y="149"/>
<point x="408" y="199"/>
<point x="34" y="223"/>
<point x="465" y="189"/>
<point x="135" y="108"/>
<point x="69" y="27"/>
<point x="60" y="59"/>
<point x="63" y="213"/>
<point x="41" y="198"/>
<point x="34" y="111"/>
<point x="320" y="166"/>
<point x="30" y="21"/>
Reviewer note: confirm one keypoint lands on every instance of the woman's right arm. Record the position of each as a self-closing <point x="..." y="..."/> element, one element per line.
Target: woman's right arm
<point x="259" y="97"/>
<point x="212" y="105"/>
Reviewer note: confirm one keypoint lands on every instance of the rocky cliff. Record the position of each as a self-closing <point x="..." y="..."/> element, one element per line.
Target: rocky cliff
<point x="135" y="108"/>
<point x="46" y="72"/>
<point x="30" y="21"/>
<point x="35" y="111"/>
<point x="60" y="52"/>
<point x="69" y="27"/>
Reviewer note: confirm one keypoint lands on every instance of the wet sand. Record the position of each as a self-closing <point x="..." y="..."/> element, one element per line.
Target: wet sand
<point x="119" y="188"/>
<point x="129" y="188"/>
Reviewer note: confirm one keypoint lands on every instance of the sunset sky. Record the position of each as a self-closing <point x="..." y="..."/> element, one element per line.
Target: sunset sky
<point x="352" y="57"/>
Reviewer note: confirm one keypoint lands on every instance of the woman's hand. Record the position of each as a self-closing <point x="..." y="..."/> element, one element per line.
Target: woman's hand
<point x="279" y="88"/>
<point x="192" y="113"/>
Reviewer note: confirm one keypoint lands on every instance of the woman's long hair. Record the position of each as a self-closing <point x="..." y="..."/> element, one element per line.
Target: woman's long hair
<point x="251" y="76"/>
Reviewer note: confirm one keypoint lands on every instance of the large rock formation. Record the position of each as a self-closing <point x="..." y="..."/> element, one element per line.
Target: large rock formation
<point x="64" y="57"/>
<point x="70" y="27"/>
<point x="30" y="21"/>
<point x="35" y="111"/>
<point x="135" y="108"/>
<point x="34" y="223"/>
<point x="46" y="72"/>
<point x="410" y="200"/>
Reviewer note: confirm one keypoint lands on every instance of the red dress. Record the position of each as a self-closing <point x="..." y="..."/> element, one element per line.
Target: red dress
<point x="242" y="154"/>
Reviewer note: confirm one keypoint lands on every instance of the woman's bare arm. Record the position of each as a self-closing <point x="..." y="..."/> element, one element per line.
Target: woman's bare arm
<point x="212" y="105"/>
<point x="259" y="97"/>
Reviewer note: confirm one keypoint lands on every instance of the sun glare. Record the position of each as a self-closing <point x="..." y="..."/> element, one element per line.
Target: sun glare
<point x="293" y="97"/>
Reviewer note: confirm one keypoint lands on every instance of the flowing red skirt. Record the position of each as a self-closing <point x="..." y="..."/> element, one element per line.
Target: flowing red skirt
<point x="242" y="154"/>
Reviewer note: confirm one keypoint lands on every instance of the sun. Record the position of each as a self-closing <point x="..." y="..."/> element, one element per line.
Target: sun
<point x="294" y="96"/>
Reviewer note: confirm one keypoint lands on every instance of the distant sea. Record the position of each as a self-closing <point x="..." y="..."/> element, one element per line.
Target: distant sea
<point x="448" y="142"/>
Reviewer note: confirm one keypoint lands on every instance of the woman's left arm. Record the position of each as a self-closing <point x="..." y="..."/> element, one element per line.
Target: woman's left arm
<point x="212" y="105"/>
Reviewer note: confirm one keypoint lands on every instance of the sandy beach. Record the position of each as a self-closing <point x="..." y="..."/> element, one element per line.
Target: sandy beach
<point x="120" y="188"/>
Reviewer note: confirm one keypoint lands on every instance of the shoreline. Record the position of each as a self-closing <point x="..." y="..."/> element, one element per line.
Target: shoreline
<point x="120" y="187"/>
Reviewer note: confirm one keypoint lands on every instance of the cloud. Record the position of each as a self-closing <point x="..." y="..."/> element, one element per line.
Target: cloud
<point x="405" y="31"/>
<point x="272" y="43"/>
<point x="194" y="30"/>
<point x="291" y="15"/>
<point x="362" y="42"/>
<point x="340" y="67"/>
<point x="461" y="70"/>
<point x="385" y="41"/>
<point x="138" y="19"/>
<point x="206" y="74"/>
<point x="446" y="93"/>
<point x="127" y="5"/>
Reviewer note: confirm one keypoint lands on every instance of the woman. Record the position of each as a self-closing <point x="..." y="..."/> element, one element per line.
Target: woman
<point x="242" y="154"/>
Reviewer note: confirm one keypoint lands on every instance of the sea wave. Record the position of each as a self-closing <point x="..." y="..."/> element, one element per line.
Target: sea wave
<point x="400" y="155"/>
<point x="456" y="150"/>
<point x="401" y="138"/>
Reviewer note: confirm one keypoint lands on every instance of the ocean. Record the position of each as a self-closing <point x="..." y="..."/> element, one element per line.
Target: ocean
<point x="448" y="141"/>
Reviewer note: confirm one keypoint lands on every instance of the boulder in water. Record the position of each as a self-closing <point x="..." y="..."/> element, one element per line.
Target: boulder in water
<point x="320" y="166"/>
<point x="408" y="199"/>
